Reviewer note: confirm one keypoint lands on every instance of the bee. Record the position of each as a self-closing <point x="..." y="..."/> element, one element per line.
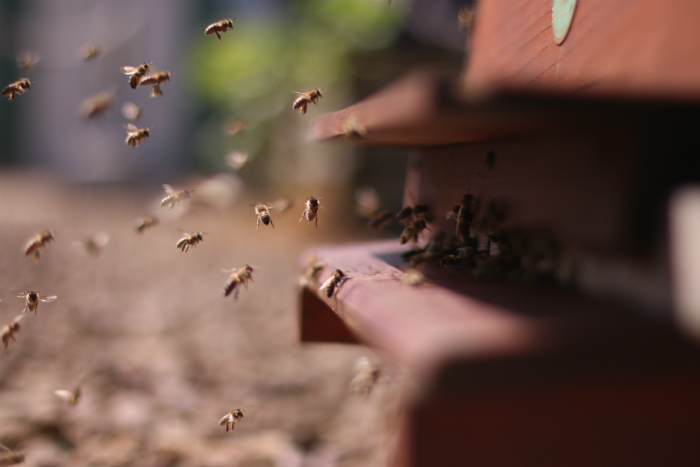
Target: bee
<point x="89" y="52"/>
<point x="366" y="376"/>
<point x="233" y="417"/>
<point x="237" y="160"/>
<point x="412" y="277"/>
<point x="94" y="245"/>
<point x="311" y="210"/>
<point x="367" y="202"/>
<point x="134" y="136"/>
<point x="131" y="111"/>
<point x="263" y="213"/>
<point x="306" y="98"/>
<point x="72" y="397"/>
<point x="378" y="222"/>
<point x="18" y="87"/>
<point x="219" y="27"/>
<point x="135" y="74"/>
<point x="155" y="80"/>
<point x="32" y="299"/>
<point x="333" y="283"/>
<point x="416" y="212"/>
<point x="37" y="242"/>
<point x="412" y="231"/>
<point x="26" y="60"/>
<point x="10" y="457"/>
<point x="144" y="223"/>
<point x="190" y="239"/>
<point x="462" y="213"/>
<point x="283" y="204"/>
<point x="174" y="197"/>
<point x="237" y="277"/>
<point x="96" y="105"/>
<point x="10" y="329"/>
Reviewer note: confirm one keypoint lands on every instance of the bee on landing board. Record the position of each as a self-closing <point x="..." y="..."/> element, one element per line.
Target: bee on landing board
<point x="155" y="80"/>
<point x="190" y="239"/>
<point x="37" y="242"/>
<point x="144" y="223"/>
<point x="135" y="136"/>
<point x="311" y="210"/>
<point x="237" y="277"/>
<point x="233" y="417"/>
<point x="72" y="397"/>
<point x="219" y="27"/>
<point x="263" y="213"/>
<point x="174" y="197"/>
<point x="135" y="74"/>
<point x="10" y="329"/>
<point x="32" y="299"/>
<point x="331" y="286"/>
<point x="10" y="457"/>
<point x="306" y="98"/>
<point x="18" y="87"/>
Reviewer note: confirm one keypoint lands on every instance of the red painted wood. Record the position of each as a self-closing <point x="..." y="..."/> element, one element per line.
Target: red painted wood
<point x="318" y="322"/>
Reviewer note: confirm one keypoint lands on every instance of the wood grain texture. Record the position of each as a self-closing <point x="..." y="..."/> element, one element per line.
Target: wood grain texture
<point x="619" y="47"/>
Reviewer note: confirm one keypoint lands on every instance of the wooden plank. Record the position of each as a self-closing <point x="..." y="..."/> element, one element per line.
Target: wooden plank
<point x="318" y="323"/>
<point x="636" y="48"/>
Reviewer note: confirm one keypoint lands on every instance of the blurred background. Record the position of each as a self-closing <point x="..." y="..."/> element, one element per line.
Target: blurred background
<point x="142" y="328"/>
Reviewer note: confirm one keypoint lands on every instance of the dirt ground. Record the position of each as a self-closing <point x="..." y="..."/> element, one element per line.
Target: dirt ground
<point x="159" y="353"/>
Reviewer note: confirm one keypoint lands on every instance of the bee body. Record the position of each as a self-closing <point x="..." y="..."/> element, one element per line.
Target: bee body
<point x="233" y="417"/>
<point x="135" y="136"/>
<point x="190" y="240"/>
<point x="238" y="277"/>
<point x="333" y="283"/>
<point x="219" y="27"/>
<point x="10" y="329"/>
<point x="263" y="213"/>
<point x="18" y="87"/>
<point x="306" y="98"/>
<point x="174" y="197"/>
<point x="37" y="242"/>
<point x="310" y="210"/>
<point x="135" y="74"/>
<point x="32" y="299"/>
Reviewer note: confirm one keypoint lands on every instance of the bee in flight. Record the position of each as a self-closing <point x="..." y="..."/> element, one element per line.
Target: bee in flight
<point x="155" y="80"/>
<point x="136" y="73"/>
<point x="237" y="277"/>
<point x="306" y="98"/>
<point x="96" y="105"/>
<point x="219" y="27"/>
<point x="72" y="397"/>
<point x="144" y="223"/>
<point x="10" y="457"/>
<point x="32" y="299"/>
<point x="310" y="210"/>
<point x="174" y="197"/>
<point x="366" y="376"/>
<point x="94" y="245"/>
<point x="135" y="136"/>
<point x="333" y="283"/>
<point x="37" y="242"/>
<point x="89" y="52"/>
<point x="233" y="417"/>
<point x="18" y="87"/>
<point x="10" y="329"/>
<point x="263" y="213"/>
<point x="190" y="239"/>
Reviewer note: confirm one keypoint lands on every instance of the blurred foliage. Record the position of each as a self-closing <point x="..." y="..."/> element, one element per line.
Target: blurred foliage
<point x="254" y="71"/>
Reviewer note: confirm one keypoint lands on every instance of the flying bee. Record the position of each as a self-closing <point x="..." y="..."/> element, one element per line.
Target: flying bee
<point x="89" y="52"/>
<point x="219" y="27"/>
<point x="135" y="74"/>
<point x="96" y="105"/>
<point x="333" y="283"/>
<point x="37" y="242"/>
<point x="131" y="111"/>
<point x="18" y="87"/>
<point x="32" y="299"/>
<point x="190" y="239"/>
<point x="237" y="160"/>
<point x="135" y="136"/>
<point x="155" y="80"/>
<point x="263" y="213"/>
<point x="237" y="277"/>
<point x="143" y="223"/>
<point x="10" y="457"/>
<point x="311" y="210"/>
<point x="94" y="245"/>
<point x="412" y="231"/>
<point x="283" y="204"/>
<point x="26" y="60"/>
<point x="233" y="417"/>
<point x="306" y="98"/>
<point x="366" y="376"/>
<point x="378" y="222"/>
<point x="174" y="197"/>
<point x="10" y="329"/>
<point x="72" y="397"/>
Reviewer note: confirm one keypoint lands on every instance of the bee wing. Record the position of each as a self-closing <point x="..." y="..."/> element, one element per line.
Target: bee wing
<point x="186" y="233"/>
<point x="131" y="127"/>
<point x="168" y="189"/>
<point x="247" y="409"/>
<point x="127" y="70"/>
<point x="18" y="318"/>
<point x="47" y="299"/>
<point x="22" y="294"/>
<point x="149" y="80"/>
<point x="64" y="394"/>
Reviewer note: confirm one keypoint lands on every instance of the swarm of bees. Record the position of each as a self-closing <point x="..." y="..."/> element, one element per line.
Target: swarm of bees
<point x="219" y="27"/>
<point x="135" y="136"/>
<point x="310" y="210"/>
<point x="306" y="98"/>
<point x="18" y="87"/>
<point x="190" y="239"/>
<point x="10" y="329"/>
<point x="263" y="213"/>
<point x="174" y="197"/>
<point x="38" y="242"/>
<point x="237" y="277"/>
<point x="233" y="417"/>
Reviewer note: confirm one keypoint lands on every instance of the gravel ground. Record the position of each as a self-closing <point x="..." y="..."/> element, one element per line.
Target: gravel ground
<point x="159" y="354"/>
